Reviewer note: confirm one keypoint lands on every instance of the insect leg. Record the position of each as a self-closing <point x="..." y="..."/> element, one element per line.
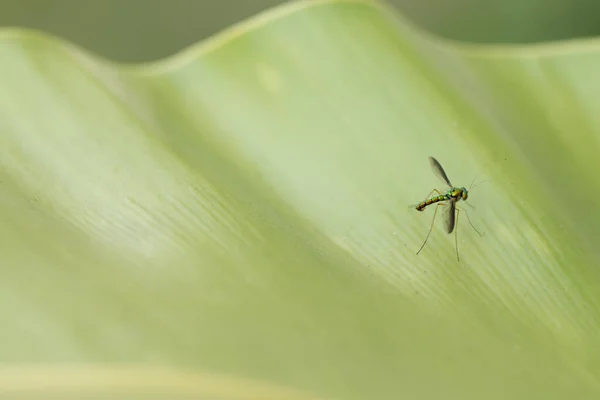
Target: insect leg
<point x="431" y="227"/>
<point x="434" y="190"/>
<point x="470" y="223"/>
<point x="470" y="205"/>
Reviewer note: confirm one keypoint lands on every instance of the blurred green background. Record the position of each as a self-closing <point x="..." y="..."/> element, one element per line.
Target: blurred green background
<point x="144" y="30"/>
<point x="524" y="320"/>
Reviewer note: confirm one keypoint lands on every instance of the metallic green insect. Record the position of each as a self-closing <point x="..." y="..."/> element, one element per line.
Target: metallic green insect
<point x="449" y="200"/>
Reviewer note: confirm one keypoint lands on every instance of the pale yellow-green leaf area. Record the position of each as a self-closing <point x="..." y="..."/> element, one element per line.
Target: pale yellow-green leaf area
<point x="244" y="211"/>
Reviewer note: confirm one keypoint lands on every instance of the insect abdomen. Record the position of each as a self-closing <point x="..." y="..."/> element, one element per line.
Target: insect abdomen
<point x="421" y="206"/>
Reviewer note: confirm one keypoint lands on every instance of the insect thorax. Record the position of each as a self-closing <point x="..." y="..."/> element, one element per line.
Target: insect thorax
<point x="458" y="193"/>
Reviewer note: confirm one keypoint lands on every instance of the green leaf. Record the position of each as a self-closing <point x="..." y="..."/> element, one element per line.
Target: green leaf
<point x="234" y="222"/>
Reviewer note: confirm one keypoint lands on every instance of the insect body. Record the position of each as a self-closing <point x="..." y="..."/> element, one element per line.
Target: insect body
<point x="449" y="200"/>
<point x="454" y="193"/>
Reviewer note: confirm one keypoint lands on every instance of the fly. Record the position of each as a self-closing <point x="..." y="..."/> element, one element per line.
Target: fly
<point x="448" y="200"/>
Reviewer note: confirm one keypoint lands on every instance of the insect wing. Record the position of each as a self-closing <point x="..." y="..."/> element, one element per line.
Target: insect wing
<point x="439" y="171"/>
<point x="450" y="216"/>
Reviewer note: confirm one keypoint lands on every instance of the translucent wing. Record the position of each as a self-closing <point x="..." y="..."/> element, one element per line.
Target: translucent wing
<point x="450" y="216"/>
<point x="439" y="171"/>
